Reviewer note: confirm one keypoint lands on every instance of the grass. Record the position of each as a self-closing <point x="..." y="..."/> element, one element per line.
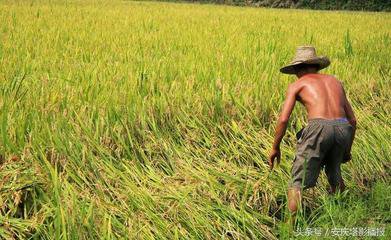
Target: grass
<point x="153" y="120"/>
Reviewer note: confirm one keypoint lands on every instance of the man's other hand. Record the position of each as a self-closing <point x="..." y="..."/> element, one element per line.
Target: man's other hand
<point x="275" y="153"/>
<point x="347" y="157"/>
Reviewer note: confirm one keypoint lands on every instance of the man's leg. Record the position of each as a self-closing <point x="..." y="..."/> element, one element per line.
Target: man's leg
<point x="294" y="202"/>
<point x="306" y="165"/>
<point x="343" y="135"/>
<point x="333" y="169"/>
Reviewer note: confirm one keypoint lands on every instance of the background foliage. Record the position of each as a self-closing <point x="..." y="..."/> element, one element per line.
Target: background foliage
<point x="361" y="5"/>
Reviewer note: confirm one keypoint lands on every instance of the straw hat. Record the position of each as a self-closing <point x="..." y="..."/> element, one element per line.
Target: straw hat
<point x="306" y="55"/>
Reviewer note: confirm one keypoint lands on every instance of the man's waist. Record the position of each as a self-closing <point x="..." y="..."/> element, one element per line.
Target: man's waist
<point x="333" y="121"/>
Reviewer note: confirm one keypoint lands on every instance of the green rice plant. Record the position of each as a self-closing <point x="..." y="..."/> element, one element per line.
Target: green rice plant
<point x="348" y="44"/>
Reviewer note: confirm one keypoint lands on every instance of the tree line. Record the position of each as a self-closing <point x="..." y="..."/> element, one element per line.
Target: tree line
<point x="361" y="5"/>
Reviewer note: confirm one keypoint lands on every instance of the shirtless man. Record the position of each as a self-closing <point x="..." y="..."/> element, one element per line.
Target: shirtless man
<point x="328" y="136"/>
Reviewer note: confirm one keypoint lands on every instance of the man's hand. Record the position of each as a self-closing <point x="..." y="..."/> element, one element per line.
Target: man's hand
<point x="347" y="157"/>
<point x="275" y="153"/>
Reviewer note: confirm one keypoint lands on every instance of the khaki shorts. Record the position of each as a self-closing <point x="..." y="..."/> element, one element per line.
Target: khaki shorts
<point x="322" y="142"/>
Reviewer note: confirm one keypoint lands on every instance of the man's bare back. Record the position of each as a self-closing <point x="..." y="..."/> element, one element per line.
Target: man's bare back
<point x="322" y="95"/>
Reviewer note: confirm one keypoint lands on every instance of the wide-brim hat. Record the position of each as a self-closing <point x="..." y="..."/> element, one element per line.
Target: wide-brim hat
<point x="306" y="55"/>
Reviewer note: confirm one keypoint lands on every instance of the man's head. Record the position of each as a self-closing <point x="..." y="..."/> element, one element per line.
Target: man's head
<point x="303" y="68"/>
<point x="305" y="61"/>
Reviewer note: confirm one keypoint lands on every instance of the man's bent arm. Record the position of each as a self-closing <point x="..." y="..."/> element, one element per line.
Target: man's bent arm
<point x="282" y="123"/>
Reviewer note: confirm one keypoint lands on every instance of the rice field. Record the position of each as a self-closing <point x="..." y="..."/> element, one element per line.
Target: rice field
<point x="145" y="120"/>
